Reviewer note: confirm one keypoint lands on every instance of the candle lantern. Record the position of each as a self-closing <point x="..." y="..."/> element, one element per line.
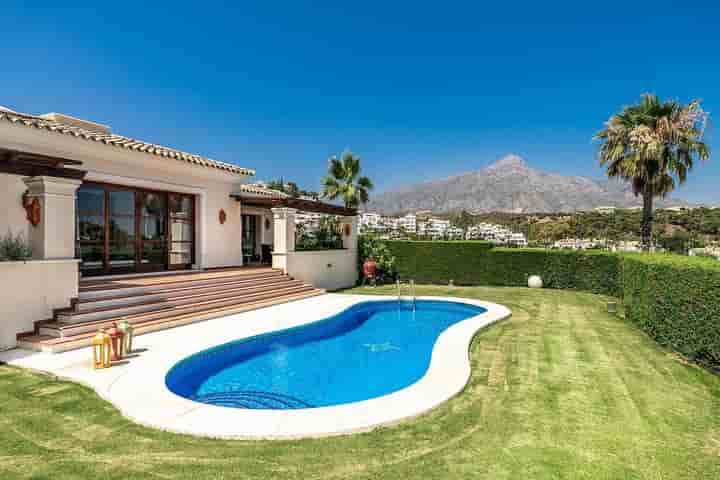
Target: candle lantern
<point x="101" y="349"/>
<point x="116" y="339"/>
<point x="127" y="330"/>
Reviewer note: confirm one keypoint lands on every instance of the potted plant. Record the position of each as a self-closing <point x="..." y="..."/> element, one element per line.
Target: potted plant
<point x="369" y="270"/>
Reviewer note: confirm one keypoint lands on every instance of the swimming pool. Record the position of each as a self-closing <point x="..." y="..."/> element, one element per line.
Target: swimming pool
<point x="369" y="350"/>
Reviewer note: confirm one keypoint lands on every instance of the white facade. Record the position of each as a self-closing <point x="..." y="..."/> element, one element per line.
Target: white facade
<point x="216" y="191"/>
<point x="578" y="243"/>
<point x="497" y="234"/>
<point x="408" y="223"/>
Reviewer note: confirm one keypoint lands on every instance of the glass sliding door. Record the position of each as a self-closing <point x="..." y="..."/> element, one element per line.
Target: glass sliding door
<point x="122" y="247"/>
<point x="153" y="231"/>
<point x="123" y="229"/>
<point x="182" y="230"/>
<point x="249" y="233"/>
<point x="90" y="229"/>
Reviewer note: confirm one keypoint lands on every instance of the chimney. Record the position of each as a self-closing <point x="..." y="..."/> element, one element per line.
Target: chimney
<point x="76" y="122"/>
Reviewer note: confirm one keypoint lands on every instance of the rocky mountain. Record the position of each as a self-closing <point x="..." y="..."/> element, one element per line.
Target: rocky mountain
<point x="509" y="185"/>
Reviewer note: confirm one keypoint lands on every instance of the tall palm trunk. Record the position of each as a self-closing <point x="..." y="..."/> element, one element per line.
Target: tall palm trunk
<point x="647" y="218"/>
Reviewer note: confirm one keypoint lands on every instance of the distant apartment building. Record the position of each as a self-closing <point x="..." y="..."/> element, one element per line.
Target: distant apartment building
<point x="626" y="246"/>
<point x="580" y="243"/>
<point x="369" y="221"/>
<point x="605" y="210"/>
<point x="436" y="228"/>
<point x="309" y="220"/>
<point x="496" y="234"/>
<point x="517" y="240"/>
<point x="408" y="223"/>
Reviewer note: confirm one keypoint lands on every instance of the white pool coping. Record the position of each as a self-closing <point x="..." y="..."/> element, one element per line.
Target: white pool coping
<point x="137" y="387"/>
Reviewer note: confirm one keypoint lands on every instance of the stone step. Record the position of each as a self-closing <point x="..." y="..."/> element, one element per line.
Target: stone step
<point x="117" y="288"/>
<point x="47" y="343"/>
<point x="69" y="319"/>
<point x="85" y="305"/>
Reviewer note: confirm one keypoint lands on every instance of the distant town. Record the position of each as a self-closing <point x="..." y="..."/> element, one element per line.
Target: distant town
<point x="605" y="226"/>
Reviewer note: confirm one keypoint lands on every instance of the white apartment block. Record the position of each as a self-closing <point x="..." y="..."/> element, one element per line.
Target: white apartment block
<point x="578" y="243"/>
<point x="309" y="220"/>
<point x="408" y="223"/>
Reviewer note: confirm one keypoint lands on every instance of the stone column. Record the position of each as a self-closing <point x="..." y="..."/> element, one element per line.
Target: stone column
<point x="283" y="236"/>
<point x="54" y="237"/>
<point x="350" y="241"/>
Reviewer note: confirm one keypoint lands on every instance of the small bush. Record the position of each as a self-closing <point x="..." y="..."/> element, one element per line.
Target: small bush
<point x="14" y="247"/>
<point x="370" y="246"/>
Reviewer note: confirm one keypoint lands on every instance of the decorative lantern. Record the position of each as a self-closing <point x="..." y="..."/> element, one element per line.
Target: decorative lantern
<point x="116" y="338"/>
<point x="127" y="330"/>
<point x="101" y="349"/>
<point x="534" y="281"/>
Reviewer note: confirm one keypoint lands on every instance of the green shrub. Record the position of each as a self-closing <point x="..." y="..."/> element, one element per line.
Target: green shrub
<point x="14" y="247"/>
<point x="675" y="299"/>
<point x="370" y="246"/>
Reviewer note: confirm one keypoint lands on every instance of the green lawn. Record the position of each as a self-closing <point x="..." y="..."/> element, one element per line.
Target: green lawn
<point x="560" y="390"/>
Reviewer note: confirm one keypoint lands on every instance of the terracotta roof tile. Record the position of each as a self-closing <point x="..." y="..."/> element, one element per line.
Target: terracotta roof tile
<point x="120" y="141"/>
<point x="261" y="191"/>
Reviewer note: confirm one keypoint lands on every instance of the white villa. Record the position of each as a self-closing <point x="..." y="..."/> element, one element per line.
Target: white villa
<point x="122" y="228"/>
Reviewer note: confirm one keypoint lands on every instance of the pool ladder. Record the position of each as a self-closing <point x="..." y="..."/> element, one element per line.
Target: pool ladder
<point x="411" y="291"/>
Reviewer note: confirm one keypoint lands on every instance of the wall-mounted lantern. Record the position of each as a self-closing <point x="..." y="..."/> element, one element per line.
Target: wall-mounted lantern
<point x="32" y="208"/>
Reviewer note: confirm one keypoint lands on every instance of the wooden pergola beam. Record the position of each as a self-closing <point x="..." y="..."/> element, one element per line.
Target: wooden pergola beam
<point x="33" y="165"/>
<point x="296" y="203"/>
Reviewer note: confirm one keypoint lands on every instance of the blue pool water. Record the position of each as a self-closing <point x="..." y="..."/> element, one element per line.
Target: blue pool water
<point x="366" y="351"/>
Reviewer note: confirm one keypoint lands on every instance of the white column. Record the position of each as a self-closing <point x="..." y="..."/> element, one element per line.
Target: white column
<point x="283" y="236"/>
<point x="54" y="237"/>
<point x="350" y="241"/>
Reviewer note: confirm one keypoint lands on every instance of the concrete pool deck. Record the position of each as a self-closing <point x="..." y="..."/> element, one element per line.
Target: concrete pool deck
<point x="136" y="386"/>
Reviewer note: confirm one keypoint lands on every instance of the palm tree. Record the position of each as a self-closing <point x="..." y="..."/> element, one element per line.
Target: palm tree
<point x="344" y="180"/>
<point x="653" y="145"/>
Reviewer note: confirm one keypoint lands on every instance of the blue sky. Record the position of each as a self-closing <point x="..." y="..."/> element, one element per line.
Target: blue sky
<point x="417" y="90"/>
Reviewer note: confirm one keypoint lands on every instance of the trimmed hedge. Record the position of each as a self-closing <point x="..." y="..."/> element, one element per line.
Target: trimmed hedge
<point x="675" y="299"/>
<point x="478" y="263"/>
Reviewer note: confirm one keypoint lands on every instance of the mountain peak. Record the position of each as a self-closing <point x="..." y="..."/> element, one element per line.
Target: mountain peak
<point x="508" y="185"/>
<point x="510" y="161"/>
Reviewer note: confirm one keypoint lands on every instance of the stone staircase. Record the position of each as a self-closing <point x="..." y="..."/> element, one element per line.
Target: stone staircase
<point x="158" y="302"/>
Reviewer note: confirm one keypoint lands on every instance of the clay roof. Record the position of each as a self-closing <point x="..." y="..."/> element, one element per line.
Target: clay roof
<point x="102" y="135"/>
<point x="254" y="189"/>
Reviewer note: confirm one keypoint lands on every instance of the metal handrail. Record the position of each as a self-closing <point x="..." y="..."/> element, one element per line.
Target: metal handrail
<point x="411" y="291"/>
